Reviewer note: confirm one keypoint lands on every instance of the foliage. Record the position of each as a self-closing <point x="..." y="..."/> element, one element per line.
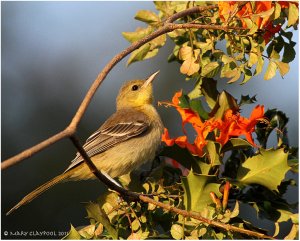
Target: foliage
<point x="225" y="165"/>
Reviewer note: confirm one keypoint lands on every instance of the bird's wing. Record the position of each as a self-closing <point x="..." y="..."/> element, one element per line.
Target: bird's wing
<point x="111" y="134"/>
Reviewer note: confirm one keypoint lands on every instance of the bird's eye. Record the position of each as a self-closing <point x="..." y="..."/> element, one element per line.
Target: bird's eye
<point x="134" y="87"/>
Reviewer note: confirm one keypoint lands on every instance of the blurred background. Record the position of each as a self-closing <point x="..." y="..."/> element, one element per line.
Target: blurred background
<point x="51" y="53"/>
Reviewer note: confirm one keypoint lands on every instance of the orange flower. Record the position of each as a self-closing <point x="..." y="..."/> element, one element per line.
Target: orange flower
<point x="226" y="8"/>
<point x="235" y="125"/>
<point x="231" y="125"/>
<point x="181" y="141"/>
<point x="251" y="11"/>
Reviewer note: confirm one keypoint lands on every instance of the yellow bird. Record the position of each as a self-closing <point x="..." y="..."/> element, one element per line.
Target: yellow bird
<point x="126" y="140"/>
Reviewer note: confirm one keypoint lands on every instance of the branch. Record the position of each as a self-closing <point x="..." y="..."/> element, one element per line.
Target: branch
<point x="189" y="11"/>
<point x="71" y="129"/>
<point x="197" y="216"/>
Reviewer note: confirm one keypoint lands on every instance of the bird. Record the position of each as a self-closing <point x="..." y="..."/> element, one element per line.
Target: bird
<point x="127" y="139"/>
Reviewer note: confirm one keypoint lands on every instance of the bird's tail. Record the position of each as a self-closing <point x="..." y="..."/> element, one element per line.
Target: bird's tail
<point x="35" y="193"/>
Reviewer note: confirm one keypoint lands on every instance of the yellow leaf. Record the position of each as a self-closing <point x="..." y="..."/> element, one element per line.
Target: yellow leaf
<point x="293" y="14"/>
<point x="271" y="70"/>
<point x="189" y="66"/>
<point x="185" y="52"/>
<point x="283" y="68"/>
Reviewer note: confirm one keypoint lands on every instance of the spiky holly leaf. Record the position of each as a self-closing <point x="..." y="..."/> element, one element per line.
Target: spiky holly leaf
<point x="246" y="99"/>
<point x="268" y="169"/>
<point x="73" y="234"/>
<point x="95" y="212"/>
<point x="196" y="190"/>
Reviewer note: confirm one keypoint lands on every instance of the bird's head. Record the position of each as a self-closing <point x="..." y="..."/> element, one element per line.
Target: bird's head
<point x="136" y="93"/>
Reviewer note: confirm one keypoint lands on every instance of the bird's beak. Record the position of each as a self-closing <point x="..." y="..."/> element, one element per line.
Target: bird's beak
<point x="150" y="79"/>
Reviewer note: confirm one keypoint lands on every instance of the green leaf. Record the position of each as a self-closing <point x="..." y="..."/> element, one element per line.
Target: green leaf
<point x="268" y="168"/>
<point x="184" y="101"/>
<point x="213" y="149"/>
<point x="277" y="229"/>
<point x="196" y="92"/>
<point x="164" y="7"/>
<point x="279" y="43"/>
<point x="284" y="215"/>
<point x="294" y="164"/>
<point x="275" y="54"/>
<point x="225" y="102"/>
<point x="138" y="34"/>
<point x="177" y="231"/>
<point x="277" y="121"/>
<point x="158" y="41"/>
<point x="138" y="236"/>
<point x="293" y="14"/>
<point x="209" y="90"/>
<point x="139" y="54"/>
<point x="251" y="26"/>
<point x="135" y="225"/>
<point x="289" y="53"/>
<point x="182" y="156"/>
<point x="207" y="69"/>
<point x="253" y="58"/>
<point x="234" y="74"/>
<point x="246" y="99"/>
<point x="288" y="35"/>
<point x="235" y="143"/>
<point x="247" y="75"/>
<point x="204" y="46"/>
<point x="151" y="54"/>
<point x="196" y="190"/>
<point x="196" y="105"/>
<point x="293" y="233"/>
<point x="277" y="10"/>
<point x="283" y="68"/>
<point x="96" y="213"/>
<point x="147" y="17"/>
<point x="235" y="212"/>
<point x="271" y="70"/>
<point x="259" y="66"/>
<point x="226" y="59"/>
<point x="73" y="234"/>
